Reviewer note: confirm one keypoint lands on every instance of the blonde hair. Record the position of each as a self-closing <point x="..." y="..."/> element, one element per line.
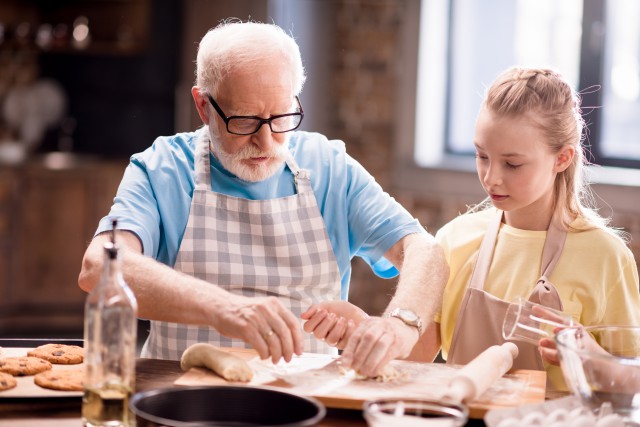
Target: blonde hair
<point x="234" y="44"/>
<point x="546" y="98"/>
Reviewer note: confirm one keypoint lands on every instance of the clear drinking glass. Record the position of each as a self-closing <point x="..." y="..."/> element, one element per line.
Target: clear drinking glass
<point x="528" y="321"/>
<point x="414" y="413"/>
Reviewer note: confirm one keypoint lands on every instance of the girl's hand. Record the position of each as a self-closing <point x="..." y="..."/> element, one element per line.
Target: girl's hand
<point x="333" y="321"/>
<point x="548" y="351"/>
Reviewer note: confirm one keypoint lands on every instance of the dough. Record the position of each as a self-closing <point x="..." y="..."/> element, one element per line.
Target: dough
<point x="228" y="366"/>
<point x="388" y="374"/>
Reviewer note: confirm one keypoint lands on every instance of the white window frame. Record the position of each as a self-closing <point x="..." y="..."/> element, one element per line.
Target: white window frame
<point x="454" y="177"/>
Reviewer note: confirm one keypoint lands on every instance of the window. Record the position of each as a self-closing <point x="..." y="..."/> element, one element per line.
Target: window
<point x="465" y="44"/>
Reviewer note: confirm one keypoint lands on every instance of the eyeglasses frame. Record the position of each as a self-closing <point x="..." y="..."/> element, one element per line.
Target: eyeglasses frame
<point x="268" y="121"/>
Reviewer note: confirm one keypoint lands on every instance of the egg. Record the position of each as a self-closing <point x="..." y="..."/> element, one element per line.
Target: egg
<point x="509" y="422"/>
<point x="611" y="420"/>
<point x="534" y="418"/>
<point x="583" y="421"/>
<point x="560" y="414"/>
<point x="576" y="412"/>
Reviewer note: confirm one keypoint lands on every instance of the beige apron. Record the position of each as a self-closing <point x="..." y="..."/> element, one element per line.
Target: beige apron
<point x="479" y="322"/>
<point x="255" y="248"/>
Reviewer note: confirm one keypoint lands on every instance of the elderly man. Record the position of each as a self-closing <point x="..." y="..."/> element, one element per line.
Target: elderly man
<point x="232" y="231"/>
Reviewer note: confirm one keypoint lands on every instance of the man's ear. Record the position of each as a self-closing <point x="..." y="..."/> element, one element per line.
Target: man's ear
<point x="564" y="158"/>
<point x="201" y="102"/>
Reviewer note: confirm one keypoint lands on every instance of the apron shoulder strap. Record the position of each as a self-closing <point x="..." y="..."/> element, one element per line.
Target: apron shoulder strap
<point x="301" y="177"/>
<point x="202" y="165"/>
<point x="545" y="292"/>
<point x="553" y="246"/>
<point x="485" y="254"/>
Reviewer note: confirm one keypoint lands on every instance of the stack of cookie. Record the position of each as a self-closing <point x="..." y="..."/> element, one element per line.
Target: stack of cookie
<point x="39" y="363"/>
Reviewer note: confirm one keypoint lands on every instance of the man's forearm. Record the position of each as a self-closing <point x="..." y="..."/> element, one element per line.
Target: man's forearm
<point x="424" y="274"/>
<point x="162" y="292"/>
<point x="169" y="295"/>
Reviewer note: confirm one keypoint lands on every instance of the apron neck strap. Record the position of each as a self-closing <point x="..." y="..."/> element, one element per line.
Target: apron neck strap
<point x="302" y="177"/>
<point x="201" y="159"/>
<point x="485" y="254"/>
<point x="553" y="246"/>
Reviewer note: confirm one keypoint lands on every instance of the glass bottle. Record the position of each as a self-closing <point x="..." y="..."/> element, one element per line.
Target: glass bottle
<point x="110" y="328"/>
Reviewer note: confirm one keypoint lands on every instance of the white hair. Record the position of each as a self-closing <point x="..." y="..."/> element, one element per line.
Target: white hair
<point x="235" y="44"/>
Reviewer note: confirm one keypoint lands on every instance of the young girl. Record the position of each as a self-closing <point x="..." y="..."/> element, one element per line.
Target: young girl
<point x="534" y="236"/>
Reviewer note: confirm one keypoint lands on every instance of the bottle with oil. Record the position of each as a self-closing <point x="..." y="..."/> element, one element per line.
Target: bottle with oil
<point x="110" y="346"/>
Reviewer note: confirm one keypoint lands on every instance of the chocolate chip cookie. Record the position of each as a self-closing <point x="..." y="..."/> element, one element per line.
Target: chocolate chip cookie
<point x="7" y="381"/>
<point x="59" y="354"/>
<point x="23" y="366"/>
<point x="65" y="380"/>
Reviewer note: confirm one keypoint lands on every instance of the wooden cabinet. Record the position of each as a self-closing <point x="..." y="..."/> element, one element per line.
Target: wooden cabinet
<point x="49" y="210"/>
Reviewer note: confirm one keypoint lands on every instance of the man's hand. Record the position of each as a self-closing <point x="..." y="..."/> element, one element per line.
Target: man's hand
<point x="171" y="296"/>
<point x="264" y="323"/>
<point x="333" y="321"/>
<point x="375" y="342"/>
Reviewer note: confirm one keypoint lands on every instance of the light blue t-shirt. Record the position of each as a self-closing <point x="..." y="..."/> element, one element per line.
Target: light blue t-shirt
<point x="154" y="199"/>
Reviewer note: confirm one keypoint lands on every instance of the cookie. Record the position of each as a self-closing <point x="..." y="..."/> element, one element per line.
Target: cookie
<point x="7" y="381"/>
<point x="65" y="380"/>
<point x="22" y="366"/>
<point x="59" y="354"/>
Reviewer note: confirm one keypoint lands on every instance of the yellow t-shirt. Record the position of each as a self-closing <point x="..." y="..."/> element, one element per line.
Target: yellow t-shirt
<point x="596" y="275"/>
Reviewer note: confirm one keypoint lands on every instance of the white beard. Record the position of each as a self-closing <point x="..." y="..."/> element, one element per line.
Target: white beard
<point x="250" y="173"/>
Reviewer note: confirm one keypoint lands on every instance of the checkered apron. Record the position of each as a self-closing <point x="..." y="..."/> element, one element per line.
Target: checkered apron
<point x="255" y="248"/>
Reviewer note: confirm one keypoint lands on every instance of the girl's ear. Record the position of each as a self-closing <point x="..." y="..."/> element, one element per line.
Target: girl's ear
<point x="564" y="158"/>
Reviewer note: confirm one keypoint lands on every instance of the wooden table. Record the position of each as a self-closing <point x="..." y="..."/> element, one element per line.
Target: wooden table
<point x="150" y="374"/>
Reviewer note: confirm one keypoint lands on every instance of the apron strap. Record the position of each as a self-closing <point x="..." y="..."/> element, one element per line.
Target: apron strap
<point x="481" y="267"/>
<point x="545" y="292"/>
<point x="301" y="177"/>
<point x="553" y="246"/>
<point x="202" y="164"/>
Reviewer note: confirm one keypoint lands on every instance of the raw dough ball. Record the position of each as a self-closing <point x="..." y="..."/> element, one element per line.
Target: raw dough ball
<point x="228" y="366"/>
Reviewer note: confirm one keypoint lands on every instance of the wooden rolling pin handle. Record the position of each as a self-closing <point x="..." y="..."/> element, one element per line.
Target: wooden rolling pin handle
<point x="478" y="375"/>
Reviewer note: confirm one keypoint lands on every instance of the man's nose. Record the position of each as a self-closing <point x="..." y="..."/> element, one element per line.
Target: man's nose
<point x="263" y="138"/>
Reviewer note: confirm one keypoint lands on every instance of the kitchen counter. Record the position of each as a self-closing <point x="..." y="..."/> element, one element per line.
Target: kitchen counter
<point x="150" y="374"/>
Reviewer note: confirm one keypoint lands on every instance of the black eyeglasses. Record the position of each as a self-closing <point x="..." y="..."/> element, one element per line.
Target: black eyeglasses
<point x="247" y="125"/>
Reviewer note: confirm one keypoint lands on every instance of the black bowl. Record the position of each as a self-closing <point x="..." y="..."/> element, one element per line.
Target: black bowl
<point x="224" y="406"/>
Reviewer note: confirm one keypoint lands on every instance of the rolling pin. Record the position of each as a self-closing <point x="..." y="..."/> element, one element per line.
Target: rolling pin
<point x="478" y="375"/>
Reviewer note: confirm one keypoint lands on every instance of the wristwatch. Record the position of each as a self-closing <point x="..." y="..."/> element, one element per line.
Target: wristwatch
<point x="409" y="317"/>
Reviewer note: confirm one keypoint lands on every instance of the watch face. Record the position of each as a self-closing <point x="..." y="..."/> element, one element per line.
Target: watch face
<point x="408" y="315"/>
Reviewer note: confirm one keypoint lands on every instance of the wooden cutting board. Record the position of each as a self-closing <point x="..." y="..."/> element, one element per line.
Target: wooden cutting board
<point x="319" y="376"/>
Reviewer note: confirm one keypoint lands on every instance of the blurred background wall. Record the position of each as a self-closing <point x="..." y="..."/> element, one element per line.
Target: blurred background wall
<point x="77" y="107"/>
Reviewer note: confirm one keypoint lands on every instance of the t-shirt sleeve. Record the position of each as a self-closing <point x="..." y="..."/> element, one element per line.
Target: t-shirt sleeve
<point x="622" y="302"/>
<point x="376" y="220"/>
<point x="135" y="207"/>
